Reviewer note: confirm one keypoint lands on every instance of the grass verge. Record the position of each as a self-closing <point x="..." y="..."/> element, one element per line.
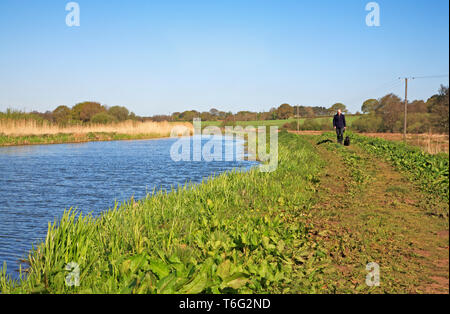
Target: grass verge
<point x="62" y="138"/>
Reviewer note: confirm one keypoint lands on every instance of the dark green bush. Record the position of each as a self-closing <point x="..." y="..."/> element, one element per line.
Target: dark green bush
<point x="369" y="123"/>
<point x="103" y="118"/>
<point x="316" y="125"/>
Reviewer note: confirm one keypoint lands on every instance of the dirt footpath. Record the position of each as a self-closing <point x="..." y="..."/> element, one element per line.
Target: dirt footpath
<point x="368" y="212"/>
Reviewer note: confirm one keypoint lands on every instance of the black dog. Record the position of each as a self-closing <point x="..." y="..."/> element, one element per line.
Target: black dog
<point x="347" y="141"/>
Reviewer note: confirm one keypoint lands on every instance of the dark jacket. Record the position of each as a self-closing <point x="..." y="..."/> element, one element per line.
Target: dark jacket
<point x="339" y="121"/>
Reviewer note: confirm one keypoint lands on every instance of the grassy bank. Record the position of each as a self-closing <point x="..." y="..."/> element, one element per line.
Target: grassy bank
<point x="8" y="140"/>
<point x="241" y="232"/>
<point x="312" y="226"/>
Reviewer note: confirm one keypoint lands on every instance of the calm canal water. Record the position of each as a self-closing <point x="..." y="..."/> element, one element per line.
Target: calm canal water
<point x="37" y="183"/>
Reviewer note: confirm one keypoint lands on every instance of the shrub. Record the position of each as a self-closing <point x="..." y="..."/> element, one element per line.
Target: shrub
<point x="290" y="126"/>
<point x="103" y="118"/>
<point x="418" y="123"/>
<point x="85" y="111"/>
<point x="315" y="125"/>
<point x="120" y="113"/>
<point x="370" y="123"/>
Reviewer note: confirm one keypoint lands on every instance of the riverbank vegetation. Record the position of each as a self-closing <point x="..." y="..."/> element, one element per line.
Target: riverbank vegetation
<point x="305" y="228"/>
<point x="240" y="232"/>
<point x="28" y="132"/>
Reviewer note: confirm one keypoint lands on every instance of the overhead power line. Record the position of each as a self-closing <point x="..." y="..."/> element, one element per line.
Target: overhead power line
<point x="393" y="84"/>
<point x="406" y="95"/>
<point x="429" y="76"/>
<point x="388" y="86"/>
<point x="424" y="77"/>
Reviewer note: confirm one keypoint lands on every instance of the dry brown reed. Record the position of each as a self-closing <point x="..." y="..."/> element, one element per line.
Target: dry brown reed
<point x="32" y="127"/>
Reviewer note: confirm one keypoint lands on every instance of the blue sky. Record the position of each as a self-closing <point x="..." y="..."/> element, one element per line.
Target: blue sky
<point x="158" y="57"/>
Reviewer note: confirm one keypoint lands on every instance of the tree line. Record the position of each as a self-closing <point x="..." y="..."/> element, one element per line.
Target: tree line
<point x="84" y="112"/>
<point x="385" y="114"/>
<point x="283" y="112"/>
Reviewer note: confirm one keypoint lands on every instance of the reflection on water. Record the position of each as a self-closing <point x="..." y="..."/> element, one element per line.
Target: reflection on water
<point x="38" y="182"/>
<point x="18" y="150"/>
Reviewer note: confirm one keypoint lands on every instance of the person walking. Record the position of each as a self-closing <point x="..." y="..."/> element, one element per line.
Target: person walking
<point x="339" y="125"/>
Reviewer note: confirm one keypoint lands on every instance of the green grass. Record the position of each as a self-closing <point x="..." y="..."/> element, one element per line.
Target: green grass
<point x="369" y="212"/>
<point x="7" y="140"/>
<point x="239" y="232"/>
<point x="396" y="190"/>
<point x="431" y="172"/>
<point x="257" y="123"/>
<point x="19" y="115"/>
<point x="279" y="123"/>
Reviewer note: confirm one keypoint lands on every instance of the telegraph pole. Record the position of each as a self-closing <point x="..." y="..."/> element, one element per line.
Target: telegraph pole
<point x="405" y="124"/>
<point x="406" y="109"/>
<point x="406" y="96"/>
<point x="298" y="119"/>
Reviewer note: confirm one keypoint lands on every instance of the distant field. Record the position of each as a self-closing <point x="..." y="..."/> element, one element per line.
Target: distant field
<point x="433" y="144"/>
<point x="430" y="143"/>
<point x="279" y="123"/>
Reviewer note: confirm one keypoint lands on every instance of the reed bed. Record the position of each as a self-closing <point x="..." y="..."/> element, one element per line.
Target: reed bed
<point x="15" y="132"/>
<point x="33" y="127"/>
<point x="25" y="127"/>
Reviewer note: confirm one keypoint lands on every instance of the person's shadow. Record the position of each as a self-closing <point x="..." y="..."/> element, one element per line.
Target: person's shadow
<point x="324" y="141"/>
